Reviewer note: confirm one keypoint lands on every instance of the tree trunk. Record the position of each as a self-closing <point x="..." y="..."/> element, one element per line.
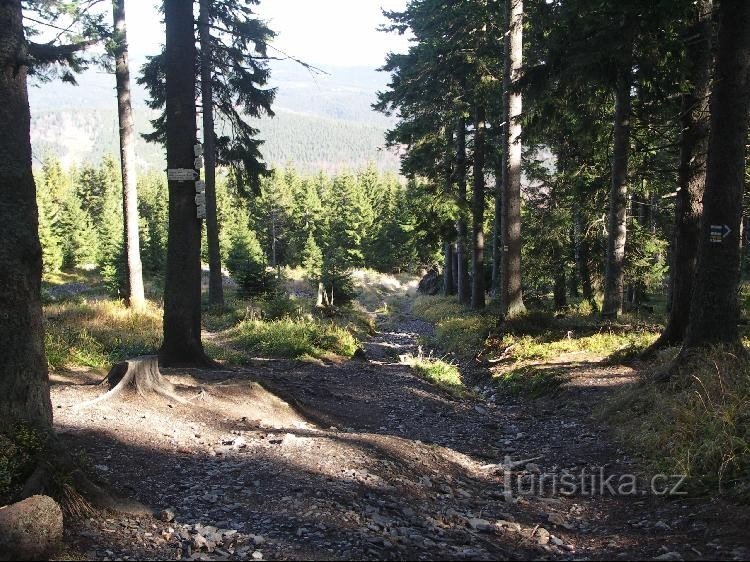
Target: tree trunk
<point x="24" y="382"/>
<point x="477" y="211"/>
<point x="714" y="313"/>
<point x="561" y="284"/>
<point x="455" y="266"/>
<point x="215" y="278"/>
<point x="497" y="235"/>
<point x="182" y="290"/>
<point x="692" y="177"/>
<point x="573" y="280"/>
<point x="448" y="270"/>
<point x="462" y="281"/>
<point x="583" y="258"/>
<point x="133" y="268"/>
<point x="618" y="197"/>
<point x="511" y="297"/>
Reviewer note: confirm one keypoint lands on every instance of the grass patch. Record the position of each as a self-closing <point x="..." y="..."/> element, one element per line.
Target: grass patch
<point x="440" y="373"/>
<point x="226" y="354"/>
<point x="531" y="380"/>
<point x="697" y="422"/>
<point x="457" y="329"/>
<point x="436" y="309"/>
<point x="99" y="333"/>
<point x="294" y="339"/>
<point x="463" y="335"/>
<point x="612" y="345"/>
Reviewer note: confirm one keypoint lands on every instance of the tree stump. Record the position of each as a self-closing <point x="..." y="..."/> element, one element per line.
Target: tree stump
<point x="141" y="375"/>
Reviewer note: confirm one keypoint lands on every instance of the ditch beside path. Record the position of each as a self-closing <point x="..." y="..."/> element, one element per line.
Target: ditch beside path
<point x="365" y="460"/>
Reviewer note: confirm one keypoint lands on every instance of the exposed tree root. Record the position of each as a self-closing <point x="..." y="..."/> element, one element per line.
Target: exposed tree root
<point x="57" y="475"/>
<point x="140" y="374"/>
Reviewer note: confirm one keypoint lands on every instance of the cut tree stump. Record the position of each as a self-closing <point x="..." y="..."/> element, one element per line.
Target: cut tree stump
<point x="140" y="375"/>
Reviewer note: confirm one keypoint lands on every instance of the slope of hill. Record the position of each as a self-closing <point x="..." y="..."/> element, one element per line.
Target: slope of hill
<point x="323" y="121"/>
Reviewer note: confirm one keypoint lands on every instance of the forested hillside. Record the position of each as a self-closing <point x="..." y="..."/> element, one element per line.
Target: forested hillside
<point x="323" y="120"/>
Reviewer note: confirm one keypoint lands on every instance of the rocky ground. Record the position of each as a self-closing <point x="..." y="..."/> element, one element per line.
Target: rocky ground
<point x="364" y="460"/>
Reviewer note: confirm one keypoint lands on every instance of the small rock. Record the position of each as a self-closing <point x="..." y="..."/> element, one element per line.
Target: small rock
<point x="556" y="519"/>
<point x="542" y="536"/>
<point x="669" y="556"/>
<point x="257" y="555"/>
<point x="481" y="525"/>
<point x="30" y="528"/>
<point x="199" y="542"/>
<point x="167" y="515"/>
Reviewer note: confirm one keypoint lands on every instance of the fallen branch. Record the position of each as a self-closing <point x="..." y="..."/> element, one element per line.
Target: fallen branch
<point x="510" y="467"/>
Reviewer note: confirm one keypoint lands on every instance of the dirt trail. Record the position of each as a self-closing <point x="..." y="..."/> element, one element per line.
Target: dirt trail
<point x="364" y="460"/>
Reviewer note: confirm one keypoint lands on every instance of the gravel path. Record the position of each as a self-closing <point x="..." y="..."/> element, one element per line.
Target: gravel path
<point x="364" y="460"/>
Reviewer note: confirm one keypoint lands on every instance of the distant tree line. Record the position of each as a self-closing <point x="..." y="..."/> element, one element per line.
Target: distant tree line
<point x="314" y="221"/>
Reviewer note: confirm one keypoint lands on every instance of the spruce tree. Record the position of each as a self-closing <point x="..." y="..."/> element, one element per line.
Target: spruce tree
<point x="133" y="289"/>
<point x="182" y="288"/>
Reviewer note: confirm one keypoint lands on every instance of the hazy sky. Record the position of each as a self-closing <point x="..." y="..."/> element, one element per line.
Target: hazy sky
<point x="332" y="32"/>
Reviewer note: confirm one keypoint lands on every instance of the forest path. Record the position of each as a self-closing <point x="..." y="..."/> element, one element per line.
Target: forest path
<point x="365" y="460"/>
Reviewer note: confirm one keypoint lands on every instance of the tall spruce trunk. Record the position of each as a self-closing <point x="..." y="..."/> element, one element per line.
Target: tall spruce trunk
<point x="448" y="278"/>
<point x="618" y="196"/>
<point x="454" y="267"/>
<point x="560" y="285"/>
<point x="24" y="382"/>
<point x="462" y="229"/>
<point x="477" y="211"/>
<point x="448" y="269"/>
<point x="511" y="292"/>
<point x="182" y="289"/>
<point x="215" y="279"/>
<point x="497" y="235"/>
<point x="133" y="267"/>
<point x="694" y="120"/>
<point x="714" y="313"/>
<point x="583" y="256"/>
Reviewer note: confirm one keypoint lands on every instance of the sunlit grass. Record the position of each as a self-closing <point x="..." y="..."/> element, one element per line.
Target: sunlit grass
<point x="440" y="373"/>
<point x="550" y="346"/>
<point x="534" y="336"/>
<point x="98" y="333"/>
<point x="294" y="339"/>
<point x="534" y="380"/>
<point x="696" y="421"/>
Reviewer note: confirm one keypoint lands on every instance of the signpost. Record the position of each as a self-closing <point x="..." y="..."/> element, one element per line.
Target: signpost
<point x="719" y="232"/>
<point x="182" y="174"/>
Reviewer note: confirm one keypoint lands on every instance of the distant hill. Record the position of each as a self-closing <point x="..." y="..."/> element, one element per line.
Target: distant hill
<point x="323" y="121"/>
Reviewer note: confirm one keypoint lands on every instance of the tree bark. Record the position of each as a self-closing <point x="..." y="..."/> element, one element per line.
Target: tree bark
<point x="131" y="239"/>
<point x="618" y="197"/>
<point x="477" y="211"/>
<point x="583" y="258"/>
<point x="511" y="297"/>
<point x="24" y="382"/>
<point x="694" y="120"/>
<point x="714" y="313"/>
<point x="454" y="250"/>
<point x="448" y="270"/>
<point x="462" y="281"/>
<point x="216" y="278"/>
<point x="497" y="234"/>
<point x="182" y="290"/>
